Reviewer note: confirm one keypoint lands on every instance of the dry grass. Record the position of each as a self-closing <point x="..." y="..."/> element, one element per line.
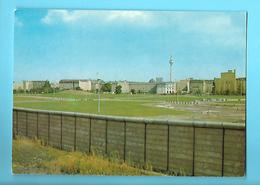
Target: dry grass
<point x="31" y="157"/>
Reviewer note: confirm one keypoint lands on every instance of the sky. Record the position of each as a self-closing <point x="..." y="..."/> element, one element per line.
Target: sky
<point x="127" y="45"/>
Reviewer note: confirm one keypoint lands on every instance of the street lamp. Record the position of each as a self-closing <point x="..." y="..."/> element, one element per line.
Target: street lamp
<point x="98" y="92"/>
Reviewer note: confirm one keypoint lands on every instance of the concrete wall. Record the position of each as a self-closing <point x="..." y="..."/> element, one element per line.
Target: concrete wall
<point x="188" y="148"/>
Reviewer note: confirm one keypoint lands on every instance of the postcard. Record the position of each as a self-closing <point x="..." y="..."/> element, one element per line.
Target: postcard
<point x="129" y="92"/>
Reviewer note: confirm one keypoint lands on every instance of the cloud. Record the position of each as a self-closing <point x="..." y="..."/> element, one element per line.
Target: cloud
<point x="217" y="27"/>
<point x="130" y="16"/>
<point x="18" y="22"/>
<point x="77" y="16"/>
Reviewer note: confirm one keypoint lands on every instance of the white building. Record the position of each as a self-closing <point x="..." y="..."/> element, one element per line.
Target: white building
<point x="166" y="88"/>
<point x="85" y="85"/>
<point x="18" y="85"/>
<point x="54" y="85"/>
<point x="29" y="85"/>
<point x="68" y="84"/>
<point x="124" y="86"/>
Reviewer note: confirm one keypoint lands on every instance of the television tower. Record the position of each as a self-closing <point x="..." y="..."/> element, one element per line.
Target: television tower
<point x="171" y="63"/>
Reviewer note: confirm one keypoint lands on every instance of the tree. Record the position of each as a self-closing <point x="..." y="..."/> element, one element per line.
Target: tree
<point x="133" y="91"/>
<point x="78" y="89"/>
<point x="198" y="92"/>
<point x="118" y="89"/>
<point x="106" y="87"/>
<point x="47" y="87"/>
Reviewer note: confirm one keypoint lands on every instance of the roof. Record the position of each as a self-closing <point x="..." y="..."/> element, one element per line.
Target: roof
<point x="241" y="78"/>
<point x="142" y="83"/>
<point x="72" y="80"/>
<point x="165" y="83"/>
<point x="35" y="81"/>
<point x="194" y="80"/>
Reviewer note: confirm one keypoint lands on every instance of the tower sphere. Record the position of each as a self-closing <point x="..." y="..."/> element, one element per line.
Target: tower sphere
<point x="171" y="60"/>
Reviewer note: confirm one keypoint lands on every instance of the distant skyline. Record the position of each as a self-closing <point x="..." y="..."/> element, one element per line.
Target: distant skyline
<point x="127" y="45"/>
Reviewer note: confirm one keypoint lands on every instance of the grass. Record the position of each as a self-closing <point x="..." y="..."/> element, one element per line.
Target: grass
<point x="119" y="105"/>
<point x="30" y="157"/>
<point x="137" y="105"/>
<point x="150" y="97"/>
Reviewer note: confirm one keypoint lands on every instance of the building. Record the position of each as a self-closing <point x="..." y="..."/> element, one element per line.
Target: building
<point x="124" y="86"/>
<point x="68" y="84"/>
<point x="85" y="85"/>
<point x="54" y="85"/>
<point x="208" y="86"/>
<point x="30" y="85"/>
<point x="226" y="84"/>
<point x="183" y="86"/>
<point x="196" y="86"/>
<point x="241" y="86"/>
<point x="166" y="88"/>
<point x="143" y="87"/>
<point x="138" y="87"/>
<point x="17" y="85"/>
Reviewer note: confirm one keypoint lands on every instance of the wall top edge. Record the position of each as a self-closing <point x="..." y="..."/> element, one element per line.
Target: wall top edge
<point x="203" y="124"/>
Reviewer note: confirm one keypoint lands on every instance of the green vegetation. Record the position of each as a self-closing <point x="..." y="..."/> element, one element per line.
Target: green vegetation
<point x="106" y="87"/>
<point x="108" y="107"/>
<point x="118" y="89"/>
<point x="111" y="104"/>
<point x="46" y="88"/>
<point x="152" y="97"/>
<point x="135" y="105"/>
<point x="31" y="157"/>
<point x="133" y="91"/>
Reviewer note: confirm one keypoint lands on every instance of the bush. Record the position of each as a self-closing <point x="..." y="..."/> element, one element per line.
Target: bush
<point x="118" y="89"/>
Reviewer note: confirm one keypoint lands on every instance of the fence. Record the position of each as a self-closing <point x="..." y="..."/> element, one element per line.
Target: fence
<point x="193" y="148"/>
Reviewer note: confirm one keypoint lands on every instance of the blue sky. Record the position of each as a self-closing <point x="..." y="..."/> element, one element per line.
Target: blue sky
<point x="127" y="45"/>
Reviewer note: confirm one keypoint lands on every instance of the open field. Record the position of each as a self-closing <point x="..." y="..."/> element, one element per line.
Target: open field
<point x="30" y="157"/>
<point x="139" y="105"/>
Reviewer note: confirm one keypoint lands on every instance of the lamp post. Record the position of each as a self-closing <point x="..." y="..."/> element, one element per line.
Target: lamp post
<point x="98" y="92"/>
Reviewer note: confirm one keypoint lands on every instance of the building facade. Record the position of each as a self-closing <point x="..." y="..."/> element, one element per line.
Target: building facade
<point x="17" y="85"/>
<point x="124" y="86"/>
<point x="68" y="84"/>
<point x="85" y="85"/>
<point x="143" y="87"/>
<point x="29" y="85"/>
<point x="241" y="86"/>
<point x="183" y="86"/>
<point x="196" y="86"/>
<point x="208" y="86"/>
<point x="138" y="87"/>
<point x="226" y="84"/>
<point x="166" y="88"/>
